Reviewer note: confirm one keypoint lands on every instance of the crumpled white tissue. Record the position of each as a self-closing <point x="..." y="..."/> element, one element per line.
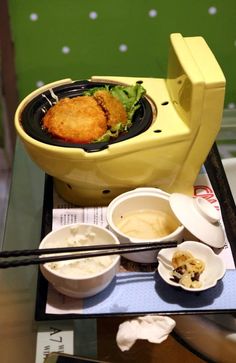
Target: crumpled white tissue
<point x="153" y="328"/>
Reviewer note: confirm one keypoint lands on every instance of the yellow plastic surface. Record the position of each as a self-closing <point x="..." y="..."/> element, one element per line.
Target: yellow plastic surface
<point x="187" y="106"/>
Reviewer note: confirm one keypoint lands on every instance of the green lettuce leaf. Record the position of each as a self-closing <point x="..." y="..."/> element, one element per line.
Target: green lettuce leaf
<point x="129" y="96"/>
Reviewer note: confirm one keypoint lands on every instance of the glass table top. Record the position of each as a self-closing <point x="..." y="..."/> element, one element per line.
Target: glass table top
<point x="93" y="338"/>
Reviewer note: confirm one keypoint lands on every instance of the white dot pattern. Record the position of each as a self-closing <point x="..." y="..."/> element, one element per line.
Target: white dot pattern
<point x="65" y="49"/>
<point x="125" y="42"/>
<point x="33" y="17"/>
<point x="152" y="13"/>
<point x="39" y="83"/>
<point x="212" y="10"/>
<point x="123" y="48"/>
<point x="231" y="105"/>
<point x="93" y="15"/>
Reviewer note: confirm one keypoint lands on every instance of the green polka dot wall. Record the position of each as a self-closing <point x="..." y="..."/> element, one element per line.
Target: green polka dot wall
<point x="56" y="39"/>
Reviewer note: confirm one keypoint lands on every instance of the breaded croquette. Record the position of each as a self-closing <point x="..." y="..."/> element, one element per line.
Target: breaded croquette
<point x="77" y="120"/>
<point x="113" y="108"/>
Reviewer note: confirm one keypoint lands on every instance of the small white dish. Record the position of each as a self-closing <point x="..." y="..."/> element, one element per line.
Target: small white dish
<point x="85" y="277"/>
<point x="214" y="266"/>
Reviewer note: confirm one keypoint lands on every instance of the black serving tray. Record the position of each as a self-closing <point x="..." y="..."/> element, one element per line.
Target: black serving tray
<point x="219" y="182"/>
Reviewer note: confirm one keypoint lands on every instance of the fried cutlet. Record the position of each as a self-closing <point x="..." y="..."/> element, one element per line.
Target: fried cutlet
<point x="113" y="108"/>
<point x="78" y="120"/>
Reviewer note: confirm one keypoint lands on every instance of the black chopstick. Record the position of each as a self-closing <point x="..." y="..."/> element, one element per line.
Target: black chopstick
<point x="101" y="250"/>
<point x="44" y="251"/>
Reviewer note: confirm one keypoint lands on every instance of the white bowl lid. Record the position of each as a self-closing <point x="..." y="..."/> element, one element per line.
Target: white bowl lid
<point x="199" y="217"/>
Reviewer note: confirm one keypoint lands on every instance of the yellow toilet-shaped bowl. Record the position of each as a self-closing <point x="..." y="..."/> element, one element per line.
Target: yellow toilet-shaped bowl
<point x="186" y="110"/>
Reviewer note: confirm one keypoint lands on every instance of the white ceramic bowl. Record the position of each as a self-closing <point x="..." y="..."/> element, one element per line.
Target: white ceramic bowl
<point x="214" y="265"/>
<point x="142" y="199"/>
<point x="75" y="283"/>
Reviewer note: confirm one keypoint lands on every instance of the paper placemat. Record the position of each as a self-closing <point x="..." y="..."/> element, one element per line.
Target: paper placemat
<point x="142" y="293"/>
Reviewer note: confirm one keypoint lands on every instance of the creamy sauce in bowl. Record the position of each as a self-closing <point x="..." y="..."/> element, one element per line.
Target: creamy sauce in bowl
<point x="146" y="224"/>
